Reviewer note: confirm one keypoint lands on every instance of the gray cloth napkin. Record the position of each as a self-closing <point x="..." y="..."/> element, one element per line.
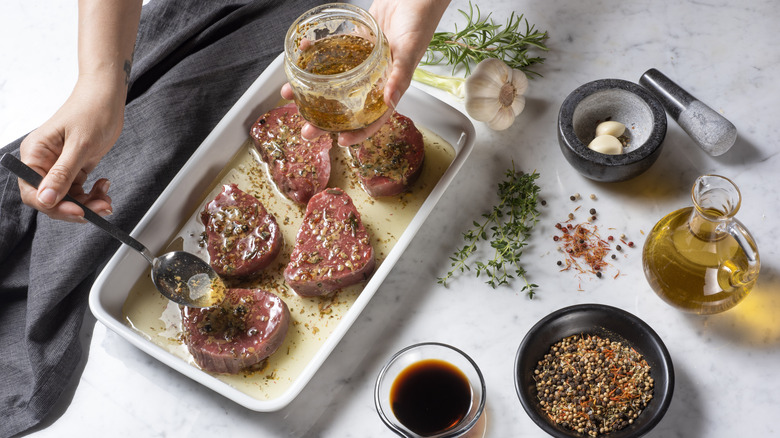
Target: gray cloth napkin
<point x="193" y="60"/>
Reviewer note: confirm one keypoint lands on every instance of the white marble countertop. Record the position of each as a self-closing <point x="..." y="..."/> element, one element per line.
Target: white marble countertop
<point x="723" y="52"/>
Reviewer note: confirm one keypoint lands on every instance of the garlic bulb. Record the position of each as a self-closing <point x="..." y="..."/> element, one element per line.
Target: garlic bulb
<point x="494" y="93"/>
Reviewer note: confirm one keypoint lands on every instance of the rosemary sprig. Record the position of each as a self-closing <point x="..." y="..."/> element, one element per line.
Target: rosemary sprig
<point x="510" y="224"/>
<point x="482" y="39"/>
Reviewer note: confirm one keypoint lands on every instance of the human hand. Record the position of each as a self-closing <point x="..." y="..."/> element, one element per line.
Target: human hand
<point x="408" y="26"/>
<point x="67" y="147"/>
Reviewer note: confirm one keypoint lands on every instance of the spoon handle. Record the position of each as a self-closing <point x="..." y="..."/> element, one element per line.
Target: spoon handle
<point x="23" y="171"/>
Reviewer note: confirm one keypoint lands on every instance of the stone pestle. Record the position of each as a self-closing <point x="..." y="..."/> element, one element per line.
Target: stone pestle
<point x="710" y="130"/>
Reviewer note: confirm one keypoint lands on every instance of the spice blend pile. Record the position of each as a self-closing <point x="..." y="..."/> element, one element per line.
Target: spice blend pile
<point x="593" y="385"/>
<point x="585" y="250"/>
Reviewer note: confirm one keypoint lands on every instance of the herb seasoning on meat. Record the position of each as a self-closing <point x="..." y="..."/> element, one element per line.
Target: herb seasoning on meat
<point x="391" y="160"/>
<point x="242" y="237"/>
<point x="247" y="327"/>
<point x="593" y="385"/>
<point x="225" y="320"/>
<point x="299" y="168"/>
<point x="332" y="248"/>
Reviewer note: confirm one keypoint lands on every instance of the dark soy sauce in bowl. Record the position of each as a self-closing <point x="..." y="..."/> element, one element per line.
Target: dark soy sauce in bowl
<point x="430" y="396"/>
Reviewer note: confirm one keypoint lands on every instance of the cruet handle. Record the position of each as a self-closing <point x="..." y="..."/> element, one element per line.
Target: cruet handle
<point x="741" y="235"/>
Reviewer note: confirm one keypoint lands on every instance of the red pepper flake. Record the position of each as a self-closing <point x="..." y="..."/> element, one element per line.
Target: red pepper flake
<point x="583" y="248"/>
<point x="586" y="250"/>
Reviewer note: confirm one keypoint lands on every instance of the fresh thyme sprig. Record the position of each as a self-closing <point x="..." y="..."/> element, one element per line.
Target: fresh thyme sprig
<point x="481" y="39"/>
<point x="510" y="223"/>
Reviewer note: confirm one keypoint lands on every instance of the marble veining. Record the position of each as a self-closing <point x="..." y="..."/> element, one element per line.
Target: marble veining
<point x="722" y="52"/>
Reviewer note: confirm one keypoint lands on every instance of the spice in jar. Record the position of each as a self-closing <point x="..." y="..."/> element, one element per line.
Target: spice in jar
<point x="593" y="385"/>
<point x="335" y="54"/>
<point x="337" y="61"/>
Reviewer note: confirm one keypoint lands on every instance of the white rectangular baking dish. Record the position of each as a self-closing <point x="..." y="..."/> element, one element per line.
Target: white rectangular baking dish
<point x="180" y="201"/>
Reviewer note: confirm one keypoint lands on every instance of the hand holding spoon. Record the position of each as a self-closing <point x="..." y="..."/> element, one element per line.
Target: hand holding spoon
<point x="180" y="276"/>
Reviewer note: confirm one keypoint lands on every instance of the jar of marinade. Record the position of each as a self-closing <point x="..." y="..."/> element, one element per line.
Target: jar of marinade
<point x="337" y="61"/>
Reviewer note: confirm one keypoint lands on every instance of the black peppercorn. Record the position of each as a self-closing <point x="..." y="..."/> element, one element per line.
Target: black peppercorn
<point x="579" y="389"/>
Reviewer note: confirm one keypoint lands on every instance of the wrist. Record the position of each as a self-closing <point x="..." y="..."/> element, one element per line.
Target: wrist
<point x="106" y="84"/>
<point x="101" y="98"/>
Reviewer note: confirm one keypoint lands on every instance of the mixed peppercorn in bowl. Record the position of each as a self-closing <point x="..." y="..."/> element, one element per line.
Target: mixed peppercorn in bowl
<point x="594" y="370"/>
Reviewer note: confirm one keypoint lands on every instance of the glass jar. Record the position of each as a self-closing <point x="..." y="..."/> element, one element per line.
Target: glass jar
<point x="337" y="61"/>
<point x="701" y="259"/>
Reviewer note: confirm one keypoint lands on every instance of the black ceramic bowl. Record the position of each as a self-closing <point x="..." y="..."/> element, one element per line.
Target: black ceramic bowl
<point x="604" y="321"/>
<point x="621" y="101"/>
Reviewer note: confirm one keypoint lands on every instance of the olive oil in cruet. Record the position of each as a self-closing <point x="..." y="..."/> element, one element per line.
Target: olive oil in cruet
<point x="701" y="259"/>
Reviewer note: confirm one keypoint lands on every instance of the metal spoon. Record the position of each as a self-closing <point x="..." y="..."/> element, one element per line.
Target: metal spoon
<point x="180" y="276"/>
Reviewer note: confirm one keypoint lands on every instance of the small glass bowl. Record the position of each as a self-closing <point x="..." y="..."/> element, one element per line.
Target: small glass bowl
<point x="425" y="351"/>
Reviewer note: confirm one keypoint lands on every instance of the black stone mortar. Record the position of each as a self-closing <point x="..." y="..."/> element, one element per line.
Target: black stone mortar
<point x="620" y="101"/>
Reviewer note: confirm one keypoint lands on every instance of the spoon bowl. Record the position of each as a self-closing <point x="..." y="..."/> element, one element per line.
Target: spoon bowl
<point x="180" y="276"/>
<point x="187" y="279"/>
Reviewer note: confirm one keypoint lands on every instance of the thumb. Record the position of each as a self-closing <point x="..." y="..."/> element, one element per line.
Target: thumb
<point x="60" y="178"/>
<point x="399" y="80"/>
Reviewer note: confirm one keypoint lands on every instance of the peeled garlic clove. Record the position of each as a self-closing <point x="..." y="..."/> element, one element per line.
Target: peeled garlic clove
<point x="606" y="144"/>
<point x="615" y="129"/>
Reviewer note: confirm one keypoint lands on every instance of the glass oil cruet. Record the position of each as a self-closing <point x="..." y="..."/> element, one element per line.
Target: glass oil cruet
<point x="701" y="259"/>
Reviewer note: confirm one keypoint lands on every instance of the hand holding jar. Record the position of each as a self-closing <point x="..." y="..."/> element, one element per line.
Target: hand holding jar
<point x="340" y="69"/>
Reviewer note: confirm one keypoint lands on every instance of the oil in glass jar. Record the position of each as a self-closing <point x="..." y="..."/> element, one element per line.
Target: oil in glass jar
<point x="337" y="62"/>
<point x="335" y="54"/>
<point x="701" y="259"/>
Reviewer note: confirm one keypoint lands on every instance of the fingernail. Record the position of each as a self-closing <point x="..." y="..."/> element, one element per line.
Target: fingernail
<point x="76" y="219"/>
<point x="395" y="99"/>
<point x="106" y="212"/>
<point x="106" y="186"/>
<point x="305" y="131"/>
<point x="47" y="197"/>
